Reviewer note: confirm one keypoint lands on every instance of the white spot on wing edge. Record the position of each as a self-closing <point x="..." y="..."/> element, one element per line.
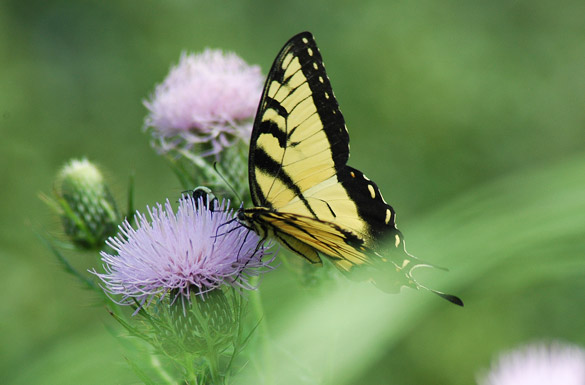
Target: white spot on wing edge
<point x="396" y="240"/>
<point x="388" y="216"/>
<point x="372" y="191"/>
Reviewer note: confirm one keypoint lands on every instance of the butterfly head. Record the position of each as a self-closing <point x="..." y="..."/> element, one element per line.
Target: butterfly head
<point x="254" y="219"/>
<point x="242" y="217"/>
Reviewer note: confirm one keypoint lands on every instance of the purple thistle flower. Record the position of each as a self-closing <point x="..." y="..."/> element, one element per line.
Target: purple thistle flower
<point x="196" y="249"/>
<point x="206" y="98"/>
<point x="539" y="364"/>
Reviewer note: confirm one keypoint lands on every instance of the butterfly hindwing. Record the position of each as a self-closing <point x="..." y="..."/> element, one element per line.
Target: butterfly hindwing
<point x="342" y="246"/>
<point x="378" y="215"/>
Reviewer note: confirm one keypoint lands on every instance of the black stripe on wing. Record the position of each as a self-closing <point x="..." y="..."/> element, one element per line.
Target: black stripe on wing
<point x="267" y="164"/>
<point x="303" y="47"/>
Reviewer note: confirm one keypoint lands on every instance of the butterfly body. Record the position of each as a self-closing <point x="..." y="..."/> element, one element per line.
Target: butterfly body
<point x="304" y="193"/>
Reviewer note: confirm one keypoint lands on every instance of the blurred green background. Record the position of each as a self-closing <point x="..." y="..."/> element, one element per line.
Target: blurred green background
<point x="469" y="115"/>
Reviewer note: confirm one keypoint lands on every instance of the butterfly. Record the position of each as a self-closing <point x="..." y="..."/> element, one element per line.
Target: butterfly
<point x="304" y="193"/>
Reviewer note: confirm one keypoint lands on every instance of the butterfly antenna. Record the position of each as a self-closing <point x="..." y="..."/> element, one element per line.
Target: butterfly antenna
<point x="226" y="182"/>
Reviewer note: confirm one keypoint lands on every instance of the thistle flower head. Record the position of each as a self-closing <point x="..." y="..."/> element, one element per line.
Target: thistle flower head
<point x="88" y="210"/>
<point x="207" y="98"/>
<point x="196" y="249"/>
<point x="539" y="364"/>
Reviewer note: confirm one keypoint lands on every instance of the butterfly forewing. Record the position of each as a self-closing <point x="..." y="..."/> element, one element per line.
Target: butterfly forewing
<point x="299" y="137"/>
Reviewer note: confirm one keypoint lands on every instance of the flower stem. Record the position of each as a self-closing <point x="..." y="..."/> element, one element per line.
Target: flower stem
<point x="191" y="375"/>
<point x="213" y="362"/>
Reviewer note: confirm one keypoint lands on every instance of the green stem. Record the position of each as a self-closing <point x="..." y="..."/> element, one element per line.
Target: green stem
<point x="88" y="283"/>
<point x="191" y="377"/>
<point x="213" y="362"/>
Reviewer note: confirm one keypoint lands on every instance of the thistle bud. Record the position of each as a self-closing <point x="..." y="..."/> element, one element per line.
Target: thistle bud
<point x="88" y="210"/>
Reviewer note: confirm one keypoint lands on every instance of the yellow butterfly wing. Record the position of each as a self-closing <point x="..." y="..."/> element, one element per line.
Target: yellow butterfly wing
<point x="304" y="193"/>
<point x="297" y="232"/>
<point x="300" y="147"/>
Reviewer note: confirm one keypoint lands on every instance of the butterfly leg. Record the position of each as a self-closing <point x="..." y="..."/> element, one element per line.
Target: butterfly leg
<point x="258" y="246"/>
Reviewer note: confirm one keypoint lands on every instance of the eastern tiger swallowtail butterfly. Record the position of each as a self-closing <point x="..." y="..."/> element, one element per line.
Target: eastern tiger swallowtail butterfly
<point x="304" y="193"/>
